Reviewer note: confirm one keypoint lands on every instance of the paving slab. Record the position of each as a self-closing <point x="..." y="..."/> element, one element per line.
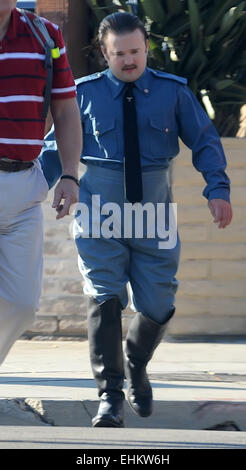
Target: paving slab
<point x="196" y="386"/>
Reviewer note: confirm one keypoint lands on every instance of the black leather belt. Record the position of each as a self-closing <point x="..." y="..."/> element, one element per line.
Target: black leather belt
<point x="14" y="166"/>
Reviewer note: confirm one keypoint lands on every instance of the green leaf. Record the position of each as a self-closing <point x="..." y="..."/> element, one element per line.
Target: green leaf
<point x="225" y="103"/>
<point x="175" y="26"/>
<point x="207" y="41"/>
<point x="174" y="7"/>
<point x="216" y="14"/>
<point x="195" y="21"/>
<point x="154" y="10"/>
<point x="221" y="84"/>
<point x="153" y="44"/>
<point x="194" y="62"/>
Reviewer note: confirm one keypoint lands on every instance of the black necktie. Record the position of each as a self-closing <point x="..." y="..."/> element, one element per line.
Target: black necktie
<point x="133" y="175"/>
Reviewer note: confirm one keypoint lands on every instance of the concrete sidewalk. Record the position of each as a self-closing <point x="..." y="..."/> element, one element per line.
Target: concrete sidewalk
<point x="196" y="386"/>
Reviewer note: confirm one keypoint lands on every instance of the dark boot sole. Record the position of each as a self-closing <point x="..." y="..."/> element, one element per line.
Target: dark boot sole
<point x="106" y="423"/>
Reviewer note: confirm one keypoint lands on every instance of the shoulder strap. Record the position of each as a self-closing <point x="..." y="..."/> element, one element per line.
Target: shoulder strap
<point x="44" y="31"/>
<point x="48" y="46"/>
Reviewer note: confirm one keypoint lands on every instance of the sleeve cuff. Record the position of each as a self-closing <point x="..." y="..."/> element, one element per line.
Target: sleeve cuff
<point x="218" y="194"/>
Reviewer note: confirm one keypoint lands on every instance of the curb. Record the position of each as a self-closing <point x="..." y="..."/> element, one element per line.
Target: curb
<point x="190" y="415"/>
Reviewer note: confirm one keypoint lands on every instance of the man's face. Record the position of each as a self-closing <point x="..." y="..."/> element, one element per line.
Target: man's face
<point x="7" y="5"/>
<point x="126" y="54"/>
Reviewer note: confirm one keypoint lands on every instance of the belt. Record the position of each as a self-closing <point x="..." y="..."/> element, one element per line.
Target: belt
<point x="14" y="166"/>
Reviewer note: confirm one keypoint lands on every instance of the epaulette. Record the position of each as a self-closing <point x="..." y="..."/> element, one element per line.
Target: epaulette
<point x="88" y="78"/>
<point x="169" y="76"/>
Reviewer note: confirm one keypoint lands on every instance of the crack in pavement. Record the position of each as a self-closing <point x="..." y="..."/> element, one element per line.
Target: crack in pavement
<point x="85" y="408"/>
<point x="35" y="407"/>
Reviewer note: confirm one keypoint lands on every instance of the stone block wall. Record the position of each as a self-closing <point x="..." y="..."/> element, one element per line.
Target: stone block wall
<point x="56" y="11"/>
<point x="212" y="293"/>
<point x="211" y="299"/>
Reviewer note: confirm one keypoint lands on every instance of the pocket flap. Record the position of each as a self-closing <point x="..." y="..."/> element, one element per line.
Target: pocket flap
<point x="157" y="122"/>
<point x="97" y="127"/>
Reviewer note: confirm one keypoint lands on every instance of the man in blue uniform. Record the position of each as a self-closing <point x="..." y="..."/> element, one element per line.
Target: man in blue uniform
<point x="132" y="117"/>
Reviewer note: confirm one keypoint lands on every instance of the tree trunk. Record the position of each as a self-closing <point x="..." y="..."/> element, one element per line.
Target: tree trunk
<point x="78" y="36"/>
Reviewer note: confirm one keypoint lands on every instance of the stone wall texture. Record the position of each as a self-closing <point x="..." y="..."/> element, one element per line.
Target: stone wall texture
<point x="56" y="11"/>
<point x="211" y="299"/>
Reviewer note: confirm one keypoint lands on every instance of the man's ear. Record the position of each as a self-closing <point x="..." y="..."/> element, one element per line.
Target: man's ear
<point x="147" y="45"/>
<point x="104" y="53"/>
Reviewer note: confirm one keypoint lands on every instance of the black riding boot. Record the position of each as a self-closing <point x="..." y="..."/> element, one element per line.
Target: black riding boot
<point x="105" y="343"/>
<point x="143" y="337"/>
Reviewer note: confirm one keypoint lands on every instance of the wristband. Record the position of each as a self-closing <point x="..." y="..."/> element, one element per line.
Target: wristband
<point x="70" y="177"/>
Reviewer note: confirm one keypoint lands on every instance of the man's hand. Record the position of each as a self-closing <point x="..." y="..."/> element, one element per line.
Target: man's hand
<point x="69" y="191"/>
<point x="68" y="132"/>
<point x="221" y="211"/>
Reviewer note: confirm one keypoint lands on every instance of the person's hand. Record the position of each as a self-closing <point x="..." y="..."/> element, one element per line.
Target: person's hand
<point x="221" y="210"/>
<point x="69" y="191"/>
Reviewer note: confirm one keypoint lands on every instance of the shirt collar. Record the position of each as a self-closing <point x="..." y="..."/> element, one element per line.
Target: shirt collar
<point x="116" y="85"/>
<point x="143" y="82"/>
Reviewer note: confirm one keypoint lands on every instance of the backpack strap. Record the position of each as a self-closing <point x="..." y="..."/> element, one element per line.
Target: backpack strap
<point x="50" y="52"/>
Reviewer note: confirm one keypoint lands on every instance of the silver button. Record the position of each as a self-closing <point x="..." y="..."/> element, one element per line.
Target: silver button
<point x="99" y="74"/>
<point x="166" y="130"/>
<point x="96" y="133"/>
<point x="146" y="90"/>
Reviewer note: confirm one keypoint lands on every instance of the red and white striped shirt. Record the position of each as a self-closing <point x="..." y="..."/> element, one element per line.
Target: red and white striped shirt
<point x="22" y="85"/>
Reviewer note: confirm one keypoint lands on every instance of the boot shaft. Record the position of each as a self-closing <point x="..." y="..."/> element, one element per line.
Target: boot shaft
<point x="143" y="337"/>
<point x="105" y="344"/>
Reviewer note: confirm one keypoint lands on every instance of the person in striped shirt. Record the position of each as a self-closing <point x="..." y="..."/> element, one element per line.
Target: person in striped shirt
<point x="23" y="79"/>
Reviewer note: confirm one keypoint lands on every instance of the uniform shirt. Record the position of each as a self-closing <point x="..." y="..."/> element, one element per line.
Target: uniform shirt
<point x="23" y="81"/>
<point x="166" y="110"/>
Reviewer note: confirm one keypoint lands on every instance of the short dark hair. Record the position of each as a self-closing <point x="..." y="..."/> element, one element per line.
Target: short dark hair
<point x="120" y="23"/>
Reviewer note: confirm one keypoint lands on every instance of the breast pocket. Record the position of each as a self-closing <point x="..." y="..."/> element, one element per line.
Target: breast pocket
<point x="100" y="139"/>
<point x="163" y="137"/>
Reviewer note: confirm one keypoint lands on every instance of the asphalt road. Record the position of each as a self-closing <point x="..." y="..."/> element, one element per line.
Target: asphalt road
<point x="52" y="437"/>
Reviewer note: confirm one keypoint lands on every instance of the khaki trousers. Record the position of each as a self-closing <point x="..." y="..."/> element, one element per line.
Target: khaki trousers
<point x="21" y="247"/>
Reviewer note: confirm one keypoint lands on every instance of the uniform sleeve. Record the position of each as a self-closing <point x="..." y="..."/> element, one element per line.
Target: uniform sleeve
<point x="63" y="85"/>
<point x="49" y="157"/>
<point x="199" y="134"/>
<point x="50" y="160"/>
